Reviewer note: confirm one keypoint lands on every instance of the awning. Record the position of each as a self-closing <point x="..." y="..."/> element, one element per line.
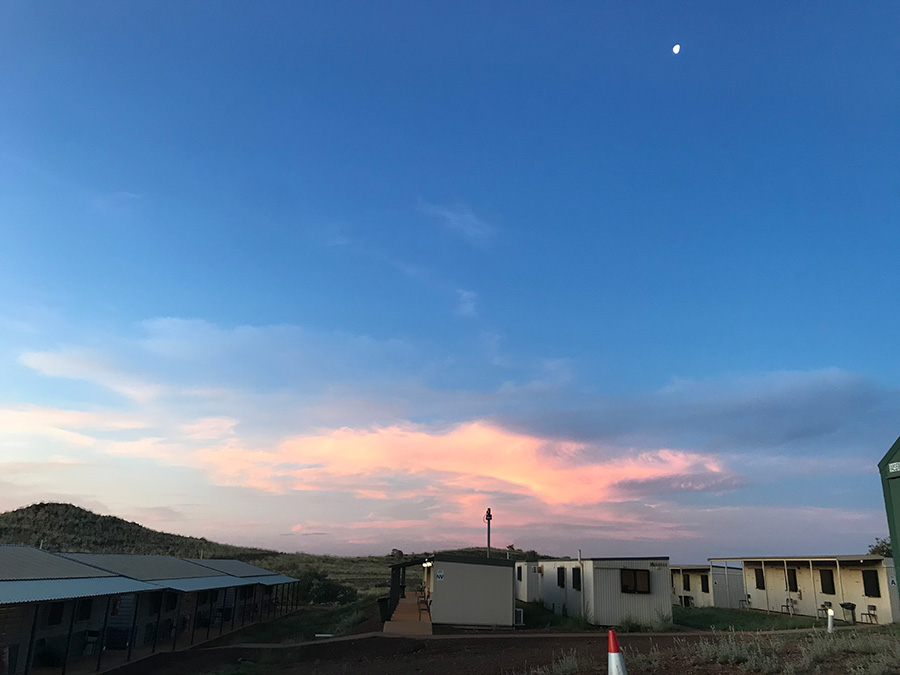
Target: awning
<point x="44" y="590"/>
<point x="201" y="583"/>
<point x="270" y="580"/>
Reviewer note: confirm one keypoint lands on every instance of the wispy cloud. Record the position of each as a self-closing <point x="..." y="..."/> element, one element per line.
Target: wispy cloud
<point x="467" y="300"/>
<point x="461" y="221"/>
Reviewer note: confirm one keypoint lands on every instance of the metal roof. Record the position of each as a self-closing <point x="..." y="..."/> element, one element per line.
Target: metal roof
<point x="805" y="558"/>
<point x="43" y="590"/>
<point x="202" y="583"/>
<point x="235" y="568"/>
<point x="24" y="562"/>
<point x="446" y="557"/>
<point x="271" y="580"/>
<point x="143" y="567"/>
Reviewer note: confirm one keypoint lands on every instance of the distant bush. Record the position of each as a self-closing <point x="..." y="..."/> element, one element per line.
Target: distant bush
<point x="316" y="587"/>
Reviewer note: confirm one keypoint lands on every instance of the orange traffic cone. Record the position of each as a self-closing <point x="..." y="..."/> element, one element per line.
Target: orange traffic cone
<point x="616" y="663"/>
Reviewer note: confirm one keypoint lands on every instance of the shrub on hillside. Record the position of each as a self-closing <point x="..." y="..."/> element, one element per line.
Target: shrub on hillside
<point x="316" y="587"/>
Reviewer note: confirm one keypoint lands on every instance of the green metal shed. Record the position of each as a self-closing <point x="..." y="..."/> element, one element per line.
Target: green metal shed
<point x="889" y="468"/>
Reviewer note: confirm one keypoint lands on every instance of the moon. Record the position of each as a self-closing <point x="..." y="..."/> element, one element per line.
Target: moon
<point x="676" y="49"/>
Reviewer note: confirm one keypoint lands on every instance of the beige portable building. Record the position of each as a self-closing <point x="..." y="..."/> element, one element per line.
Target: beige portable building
<point x="810" y="585"/>
<point x="470" y="591"/>
<point x="707" y="586"/>
<point x="604" y="591"/>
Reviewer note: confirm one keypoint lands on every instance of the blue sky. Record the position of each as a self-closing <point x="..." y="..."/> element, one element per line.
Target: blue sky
<point x="326" y="276"/>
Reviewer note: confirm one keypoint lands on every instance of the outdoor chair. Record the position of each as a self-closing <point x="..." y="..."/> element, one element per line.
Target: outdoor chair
<point x="823" y="610"/>
<point x="870" y="615"/>
<point x="788" y="606"/>
<point x="424" y="605"/>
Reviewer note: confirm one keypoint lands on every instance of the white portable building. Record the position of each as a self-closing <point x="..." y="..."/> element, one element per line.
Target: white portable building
<point x="604" y="591"/>
<point x="707" y="586"/>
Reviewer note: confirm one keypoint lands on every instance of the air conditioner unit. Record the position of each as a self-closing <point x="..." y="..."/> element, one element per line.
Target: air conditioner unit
<point x="520" y="617"/>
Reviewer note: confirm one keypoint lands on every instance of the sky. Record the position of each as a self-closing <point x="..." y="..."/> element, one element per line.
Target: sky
<point x="337" y="277"/>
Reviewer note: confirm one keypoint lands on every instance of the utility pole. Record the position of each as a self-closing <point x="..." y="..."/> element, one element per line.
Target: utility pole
<point x="487" y="519"/>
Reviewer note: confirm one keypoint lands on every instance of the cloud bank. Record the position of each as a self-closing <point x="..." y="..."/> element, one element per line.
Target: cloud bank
<point x="369" y="444"/>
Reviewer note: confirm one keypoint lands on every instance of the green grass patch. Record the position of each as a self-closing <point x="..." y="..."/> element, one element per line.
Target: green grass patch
<point x="715" y="618"/>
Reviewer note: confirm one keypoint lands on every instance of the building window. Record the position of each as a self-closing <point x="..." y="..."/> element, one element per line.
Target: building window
<point x="171" y="601"/>
<point x="635" y="581"/>
<point x="561" y="577"/>
<point x="826" y="579"/>
<point x="83" y="611"/>
<point x="760" y="579"/>
<point x="686" y="581"/>
<point x="202" y="597"/>
<point x="704" y="583"/>
<point x="55" y="613"/>
<point x="519" y="573"/>
<point x="156" y="602"/>
<point x="576" y="578"/>
<point x="791" y="580"/>
<point x="871" y="587"/>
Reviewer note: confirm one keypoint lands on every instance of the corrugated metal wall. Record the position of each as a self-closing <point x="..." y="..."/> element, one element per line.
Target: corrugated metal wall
<point x="728" y="587"/>
<point x="612" y="607"/>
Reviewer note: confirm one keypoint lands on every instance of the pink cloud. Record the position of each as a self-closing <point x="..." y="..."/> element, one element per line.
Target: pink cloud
<point x="471" y="457"/>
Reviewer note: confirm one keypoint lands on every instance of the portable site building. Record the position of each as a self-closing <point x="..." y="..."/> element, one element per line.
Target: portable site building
<point x="707" y="586"/>
<point x="55" y="607"/>
<point x="256" y="583"/>
<point x="604" y="591"/>
<point x="54" y="610"/>
<point x="811" y="585"/>
<point x="465" y="591"/>
<point x="528" y="581"/>
<point x="196" y="595"/>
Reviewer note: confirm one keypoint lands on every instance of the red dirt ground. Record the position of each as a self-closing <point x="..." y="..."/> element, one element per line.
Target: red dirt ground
<point x="378" y="655"/>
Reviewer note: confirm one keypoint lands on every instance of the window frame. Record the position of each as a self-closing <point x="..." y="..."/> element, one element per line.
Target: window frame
<point x="790" y="580"/>
<point x="630" y="581"/>
<point x="830" y="580"/>
<point x="704" y="583"/>
<point x="561" y="576"/>
<point x="686" y="581"/>
<point x="82" y="614"/>
<point x="760" y="578"/>
<point x="869" y="577"/>
<point x="576" y="578"/>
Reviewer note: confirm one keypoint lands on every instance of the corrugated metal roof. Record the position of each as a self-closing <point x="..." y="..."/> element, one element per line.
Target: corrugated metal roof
<point x="203" y="583"/>
<point x="865" y="557"/>
<point x="24" y="562"/>
<point x="143" y="567"/>
<point x="235" y="568"/>
<point x="43" y="590"/>
<point x="270" y="580"/>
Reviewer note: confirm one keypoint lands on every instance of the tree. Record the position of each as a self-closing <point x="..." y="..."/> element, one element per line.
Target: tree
<point x="881" y="547"/>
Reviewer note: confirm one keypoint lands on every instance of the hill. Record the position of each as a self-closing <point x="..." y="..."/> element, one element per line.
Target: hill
<point x="71" y="529"/>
